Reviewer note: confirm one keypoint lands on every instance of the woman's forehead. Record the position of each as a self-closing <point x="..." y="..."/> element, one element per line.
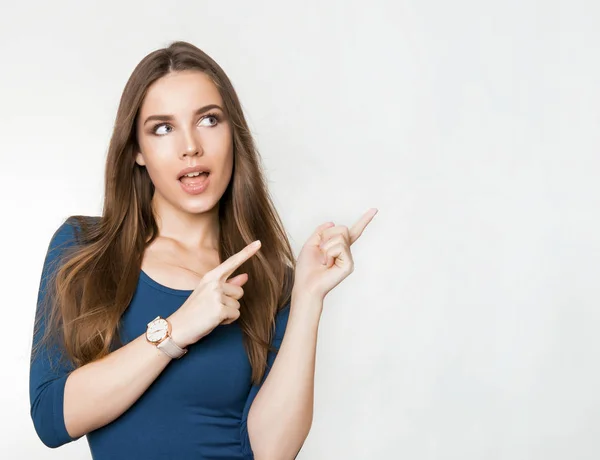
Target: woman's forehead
<point x="180" y="93"/>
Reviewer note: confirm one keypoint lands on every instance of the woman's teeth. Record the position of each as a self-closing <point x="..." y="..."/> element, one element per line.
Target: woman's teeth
<point x="194" y="178"/>
<point x="194" y="174"/>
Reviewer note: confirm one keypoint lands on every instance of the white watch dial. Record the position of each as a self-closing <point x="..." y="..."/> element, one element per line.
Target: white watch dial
<point x="157" y="330"/>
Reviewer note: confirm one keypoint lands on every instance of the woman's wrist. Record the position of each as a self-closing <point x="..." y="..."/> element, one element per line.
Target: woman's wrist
<point x="178" y="334"/>
<point x="305" y="300"/>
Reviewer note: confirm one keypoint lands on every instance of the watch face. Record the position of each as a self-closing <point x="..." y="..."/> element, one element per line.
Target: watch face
<point x="157" y="330"/>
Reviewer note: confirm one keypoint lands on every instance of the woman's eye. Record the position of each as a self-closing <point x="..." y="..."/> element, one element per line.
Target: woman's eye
<point x="157" y="127"/>
<point x="164" y="126"/>
<point x="213" y="117"/>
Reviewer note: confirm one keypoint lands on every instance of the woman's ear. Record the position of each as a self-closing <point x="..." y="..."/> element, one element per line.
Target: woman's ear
<point x="139" y="159"/>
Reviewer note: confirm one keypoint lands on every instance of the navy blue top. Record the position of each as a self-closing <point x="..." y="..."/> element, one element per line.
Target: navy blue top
<point x="198" y="406"/>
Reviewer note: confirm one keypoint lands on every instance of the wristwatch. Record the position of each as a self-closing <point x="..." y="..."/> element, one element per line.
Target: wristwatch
<point x="158" y="332"/>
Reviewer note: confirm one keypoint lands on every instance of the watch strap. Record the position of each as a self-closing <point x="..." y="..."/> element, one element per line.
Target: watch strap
<point x="171" y="349"/>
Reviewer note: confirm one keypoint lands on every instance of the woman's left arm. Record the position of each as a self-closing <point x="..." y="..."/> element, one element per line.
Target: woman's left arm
<point x="280" y="416"/>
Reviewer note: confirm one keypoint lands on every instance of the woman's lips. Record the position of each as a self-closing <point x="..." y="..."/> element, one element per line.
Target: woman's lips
<point x="195" y="185"/>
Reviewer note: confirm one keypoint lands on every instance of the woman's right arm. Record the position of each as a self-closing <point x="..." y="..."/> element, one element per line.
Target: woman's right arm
<point x="67" y="403"/>
<point x="99" y="392"/>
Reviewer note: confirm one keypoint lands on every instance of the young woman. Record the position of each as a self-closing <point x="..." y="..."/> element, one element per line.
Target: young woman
<point x="158" y="323"/>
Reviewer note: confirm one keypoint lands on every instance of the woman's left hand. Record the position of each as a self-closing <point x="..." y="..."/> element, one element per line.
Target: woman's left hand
<point x="325" y="259"/>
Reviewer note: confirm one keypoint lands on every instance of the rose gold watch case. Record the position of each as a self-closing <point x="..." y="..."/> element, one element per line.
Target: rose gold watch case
<point x="168" y="333"/>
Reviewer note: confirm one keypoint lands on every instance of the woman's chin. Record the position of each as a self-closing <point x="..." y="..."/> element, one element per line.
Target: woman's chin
<point x="198" y="204"/>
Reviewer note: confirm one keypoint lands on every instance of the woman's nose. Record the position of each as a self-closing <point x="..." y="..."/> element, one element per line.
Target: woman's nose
<point x="192" y="146"/>
<point x="191" y="150"/>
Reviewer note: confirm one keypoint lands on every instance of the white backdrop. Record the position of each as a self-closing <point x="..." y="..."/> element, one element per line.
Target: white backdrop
<point x="470" y="326"/>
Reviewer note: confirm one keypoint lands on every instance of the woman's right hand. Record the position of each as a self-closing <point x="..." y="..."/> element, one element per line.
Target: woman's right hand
<point x="213" y="302"/>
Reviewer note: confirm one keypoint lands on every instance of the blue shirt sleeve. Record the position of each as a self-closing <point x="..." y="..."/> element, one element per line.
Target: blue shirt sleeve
<point x="280" y="326"/>
<point x="48" y="373"/>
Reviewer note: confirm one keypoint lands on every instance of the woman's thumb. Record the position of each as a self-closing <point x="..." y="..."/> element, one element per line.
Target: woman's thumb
<point x="239" y="280"/>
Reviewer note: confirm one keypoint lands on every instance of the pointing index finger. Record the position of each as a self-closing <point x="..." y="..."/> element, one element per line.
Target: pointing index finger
<point x="361" y="224"/>
<point x="225" y="270"/>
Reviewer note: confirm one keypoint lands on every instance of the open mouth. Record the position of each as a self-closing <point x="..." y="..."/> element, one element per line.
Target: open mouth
<point x="194" y="178"/>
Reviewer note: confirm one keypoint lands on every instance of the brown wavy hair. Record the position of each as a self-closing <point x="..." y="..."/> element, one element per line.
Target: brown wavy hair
<point x="96" y="278"/>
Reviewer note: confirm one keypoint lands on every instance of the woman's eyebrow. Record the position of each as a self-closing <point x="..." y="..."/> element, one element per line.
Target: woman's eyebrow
<point x="201" y="110"/>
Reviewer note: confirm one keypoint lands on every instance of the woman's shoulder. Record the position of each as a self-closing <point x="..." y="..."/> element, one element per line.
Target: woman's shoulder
<point x="73" y="231"/>
<point x="74" y="227"/>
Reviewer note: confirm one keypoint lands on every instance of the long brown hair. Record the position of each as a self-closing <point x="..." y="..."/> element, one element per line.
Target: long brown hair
<point x="96" y="279"/>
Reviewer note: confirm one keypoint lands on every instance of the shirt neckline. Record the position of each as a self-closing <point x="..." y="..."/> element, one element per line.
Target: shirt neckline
<point x="161" y="287"/>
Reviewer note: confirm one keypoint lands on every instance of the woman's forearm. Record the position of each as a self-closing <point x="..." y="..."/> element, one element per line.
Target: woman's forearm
<point x="281" y="415"/>
<point x="99" y="392"/>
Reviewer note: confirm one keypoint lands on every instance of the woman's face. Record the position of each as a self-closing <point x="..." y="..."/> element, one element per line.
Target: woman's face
<point x="174" y="133"/>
